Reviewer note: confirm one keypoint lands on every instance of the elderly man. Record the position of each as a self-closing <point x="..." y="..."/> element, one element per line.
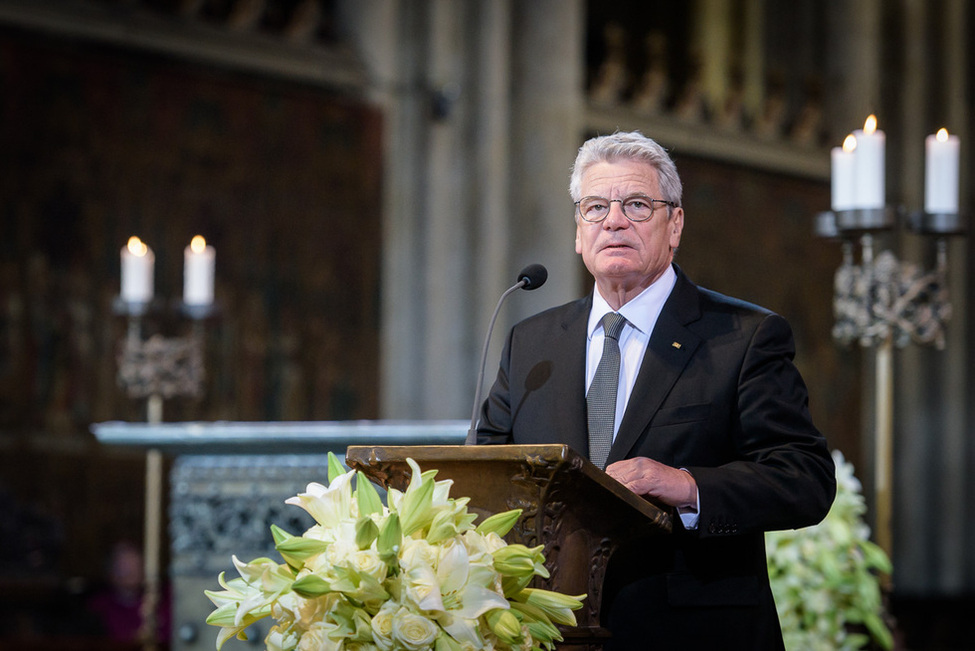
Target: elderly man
<point x="682" y="394"/>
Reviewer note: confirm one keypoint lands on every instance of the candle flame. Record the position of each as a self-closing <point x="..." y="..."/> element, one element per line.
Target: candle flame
<point x="136" y="247"/>
<point x="198" y="244"/>
<point x="849" y="143"/>
<point x="870" y="125"/>
<point x="942" y="135"/>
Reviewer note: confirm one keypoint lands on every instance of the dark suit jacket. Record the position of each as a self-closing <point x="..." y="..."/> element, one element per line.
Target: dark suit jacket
<point x="717" y="394"/>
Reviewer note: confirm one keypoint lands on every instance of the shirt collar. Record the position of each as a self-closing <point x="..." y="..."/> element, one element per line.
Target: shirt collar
<point x="642" y="311"/>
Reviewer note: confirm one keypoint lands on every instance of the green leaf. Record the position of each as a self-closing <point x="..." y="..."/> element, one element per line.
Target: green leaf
<point x="335" y="467"/>
<point x="416" y="511"/>
<point x="879" y="630"/>
<point x="279" y="534"/>
<point x="446" y="643"/>
<point x="366" y="496"/>
<point x="365" y="532"/>
<point x="875" y="557"/>
<point x="390" y="539"/>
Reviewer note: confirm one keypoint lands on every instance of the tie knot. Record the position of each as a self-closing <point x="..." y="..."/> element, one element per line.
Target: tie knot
<point x="613" y="325"/>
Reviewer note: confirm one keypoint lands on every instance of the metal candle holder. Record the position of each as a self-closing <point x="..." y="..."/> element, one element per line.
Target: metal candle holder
<point x="882" y="302"/>
<point x="158" y="368"/>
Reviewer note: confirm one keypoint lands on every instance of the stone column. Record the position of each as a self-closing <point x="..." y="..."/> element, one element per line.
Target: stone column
<point x="959" y="480"/>
<point x="917" y="408"/>
<point x="955" y="541"/>
<point x="482" y="106"/>
<point x="388" y="36"/>
<point x="853" y="64"/>
<point x="546" y="131"/>
<point x="493" y="270"/>
<point x="753" y="56"/>
<point x="711" y="41"/>
<point x="447" y="217"/>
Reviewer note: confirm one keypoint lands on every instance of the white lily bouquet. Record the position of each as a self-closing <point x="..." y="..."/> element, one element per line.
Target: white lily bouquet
<point x="826" y="578"/>
<point x="415" y="575"/>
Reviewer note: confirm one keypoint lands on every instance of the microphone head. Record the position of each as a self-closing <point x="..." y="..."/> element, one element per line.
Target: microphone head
<point x="534" y="276"/>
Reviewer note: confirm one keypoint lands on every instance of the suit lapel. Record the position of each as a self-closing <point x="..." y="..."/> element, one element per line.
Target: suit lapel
<point x="571" y="420"/>
<point x="668" y="352"/>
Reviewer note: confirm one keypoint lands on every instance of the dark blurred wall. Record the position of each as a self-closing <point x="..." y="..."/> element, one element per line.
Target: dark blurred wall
<point x="98" y="143"/>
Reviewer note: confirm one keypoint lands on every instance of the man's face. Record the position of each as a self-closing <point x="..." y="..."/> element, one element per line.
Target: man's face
<point x="626" y="256"/>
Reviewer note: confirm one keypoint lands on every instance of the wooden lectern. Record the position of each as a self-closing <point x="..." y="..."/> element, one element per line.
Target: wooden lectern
<point x="574" y="509"/>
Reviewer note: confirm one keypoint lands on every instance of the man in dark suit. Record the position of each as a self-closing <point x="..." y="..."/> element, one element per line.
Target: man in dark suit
<point x="706" y="412"/>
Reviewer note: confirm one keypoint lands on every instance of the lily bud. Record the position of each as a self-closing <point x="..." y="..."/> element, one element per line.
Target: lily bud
<point x="311" y="586"/>
<point x="557" y="606"/>
<point x="365" y="532"/>
<point x="505" y="625"/>
<point x="499" y="523"/>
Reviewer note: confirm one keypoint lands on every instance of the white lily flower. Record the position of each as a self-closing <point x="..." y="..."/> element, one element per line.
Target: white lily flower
<point x="329" y="506"/>
<point x="414" y="575"/>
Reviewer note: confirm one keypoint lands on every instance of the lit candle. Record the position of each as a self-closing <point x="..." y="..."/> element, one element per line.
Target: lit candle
<point x="941" y="173"/>
<point x="198" y="267"/>
<point x="137" y="271"/>
<point x="868" y="165"/>
<point x="843" y="180"/>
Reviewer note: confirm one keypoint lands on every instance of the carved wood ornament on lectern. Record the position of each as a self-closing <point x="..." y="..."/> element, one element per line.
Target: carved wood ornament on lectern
<point x="576" y="511"/>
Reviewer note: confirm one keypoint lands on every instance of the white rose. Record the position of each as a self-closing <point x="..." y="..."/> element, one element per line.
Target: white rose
<point x="367" y="561"/>
<point x="418" y="552"/>
<point x="279" y="640"/>
<point x="414" y="632"/>
<point x="283" y="609"/>
<point x="317" y="639"/>
<point x="382" y="625"/>
<point x="309" y="612"/>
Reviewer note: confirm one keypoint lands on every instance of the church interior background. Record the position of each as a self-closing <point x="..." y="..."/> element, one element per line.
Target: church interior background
<point x="373" y="173"/>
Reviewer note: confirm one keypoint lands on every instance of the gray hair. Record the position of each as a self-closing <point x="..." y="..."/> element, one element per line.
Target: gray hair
<point x="627" y="146"/>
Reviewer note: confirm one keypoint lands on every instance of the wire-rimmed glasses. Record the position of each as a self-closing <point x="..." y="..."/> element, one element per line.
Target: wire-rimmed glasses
<point x="636" y="208"/>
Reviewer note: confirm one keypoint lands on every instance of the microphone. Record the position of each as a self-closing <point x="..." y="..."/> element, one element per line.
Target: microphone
<point x="531" y="277"/>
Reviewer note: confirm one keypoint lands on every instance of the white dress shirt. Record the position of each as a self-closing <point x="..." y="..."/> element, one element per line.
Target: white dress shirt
<point x="641" y="315"/>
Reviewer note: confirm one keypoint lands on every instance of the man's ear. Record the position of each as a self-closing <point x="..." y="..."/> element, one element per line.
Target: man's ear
<point x="675" y="227"/>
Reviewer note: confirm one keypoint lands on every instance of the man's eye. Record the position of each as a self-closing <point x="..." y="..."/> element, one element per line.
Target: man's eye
<point x="638" y="204"/>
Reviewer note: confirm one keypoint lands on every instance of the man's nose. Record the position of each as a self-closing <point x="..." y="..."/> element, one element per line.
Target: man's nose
<point x="615" y="218"/>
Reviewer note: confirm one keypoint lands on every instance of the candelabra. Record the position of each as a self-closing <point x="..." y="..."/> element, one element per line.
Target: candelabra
<point x="882" y="302"/>
<point x="157" y="368"/>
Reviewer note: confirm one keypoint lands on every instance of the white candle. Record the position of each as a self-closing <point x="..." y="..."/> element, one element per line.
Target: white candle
<point x="868" y="166"/>
<point x="137" y="271"/>
<point x="941" y="173"/>
<point x="198" y="268"/>
<point x="843" y="180"/>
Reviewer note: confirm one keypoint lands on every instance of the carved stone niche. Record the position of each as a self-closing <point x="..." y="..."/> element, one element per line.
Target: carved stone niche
<point x="221" y="505"/>
<point x="575" y="510"/>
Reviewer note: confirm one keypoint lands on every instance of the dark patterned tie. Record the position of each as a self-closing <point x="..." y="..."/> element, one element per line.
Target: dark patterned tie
<point x="601" y="399"/>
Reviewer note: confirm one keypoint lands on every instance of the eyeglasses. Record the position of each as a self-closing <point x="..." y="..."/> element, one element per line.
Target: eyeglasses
<point x="638" y="208"/>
